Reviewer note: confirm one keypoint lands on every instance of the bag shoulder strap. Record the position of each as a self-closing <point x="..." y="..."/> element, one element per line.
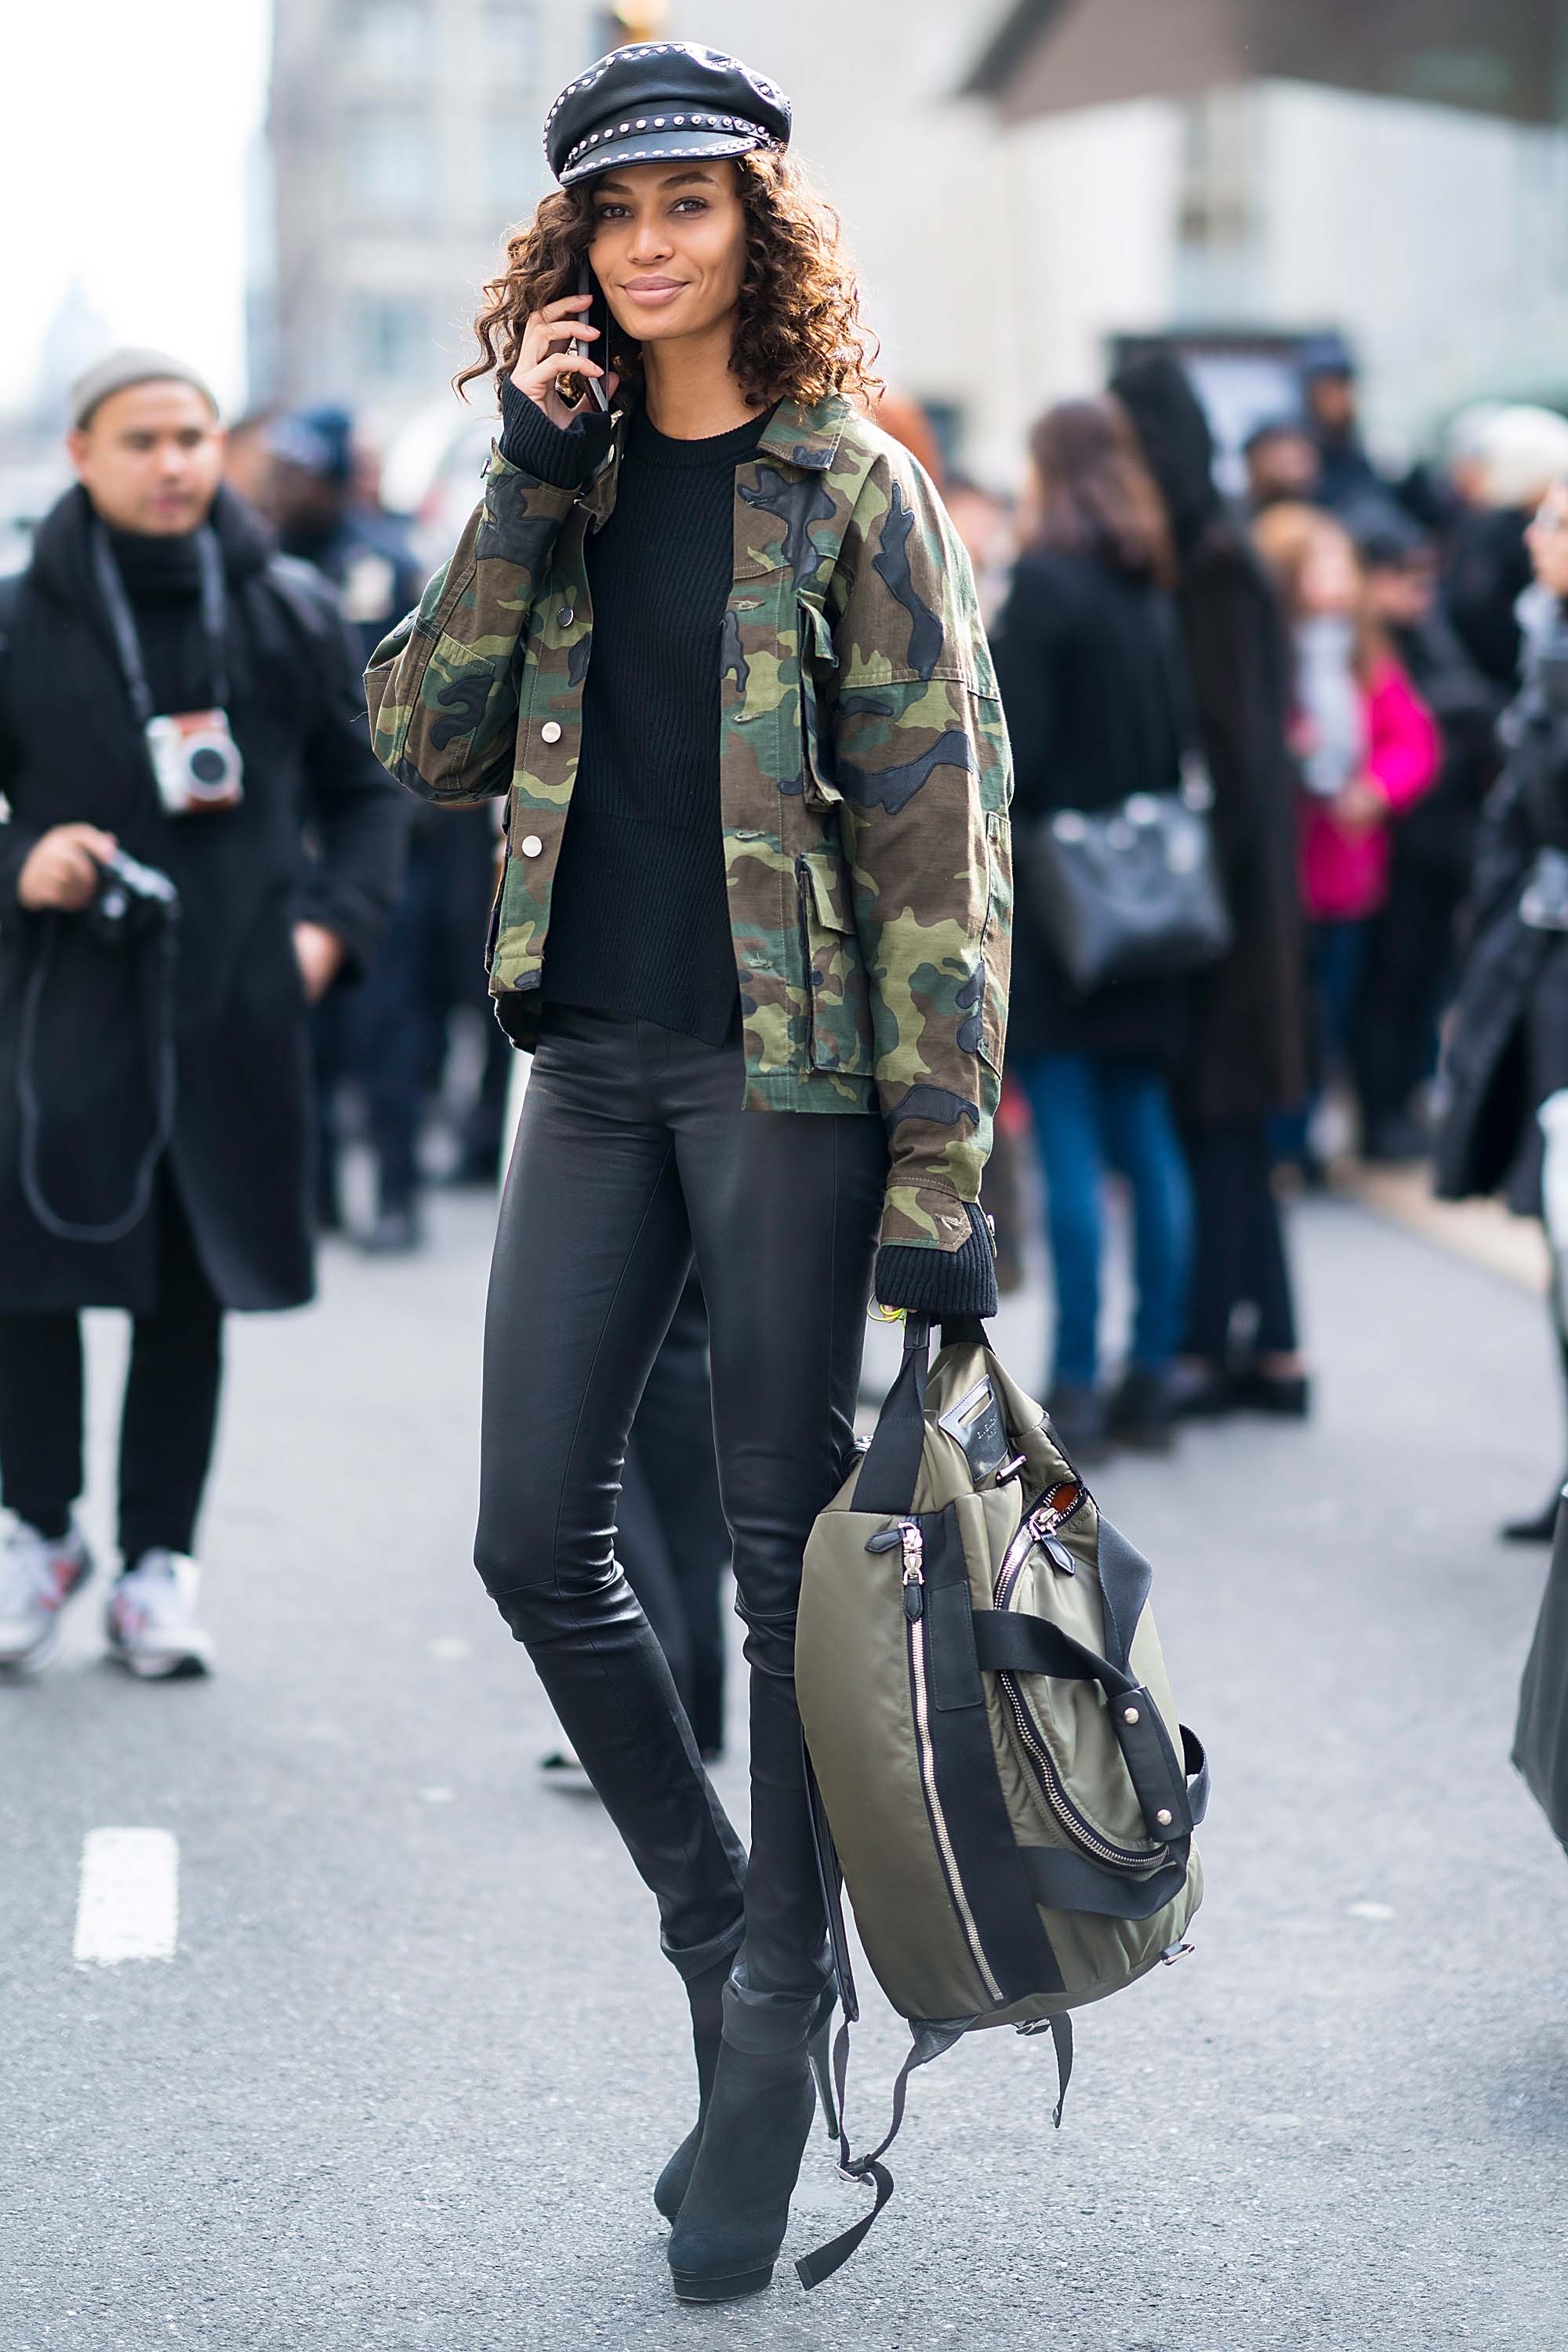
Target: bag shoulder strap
<point x="1178" y="676"/>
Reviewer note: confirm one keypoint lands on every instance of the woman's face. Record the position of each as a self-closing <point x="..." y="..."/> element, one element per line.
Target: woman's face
<point x="670" y="246"/>
<point x="1329" y="580"/>
<point x="1547" y="539"/>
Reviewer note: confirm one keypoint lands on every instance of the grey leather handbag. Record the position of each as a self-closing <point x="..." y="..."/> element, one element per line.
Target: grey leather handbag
<point x="1133" y="891"/>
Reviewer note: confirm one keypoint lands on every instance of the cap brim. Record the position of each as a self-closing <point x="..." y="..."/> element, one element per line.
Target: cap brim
<point x="660" y="147"/>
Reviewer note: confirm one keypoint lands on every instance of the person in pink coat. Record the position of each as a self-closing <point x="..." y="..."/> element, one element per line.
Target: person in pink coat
<point x="1367" y="746"/>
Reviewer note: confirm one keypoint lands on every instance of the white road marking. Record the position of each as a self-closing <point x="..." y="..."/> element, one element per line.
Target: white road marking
<point x="1370" y="1910"/>
<point x="451" y="1649"/>
<point x="127" y="1906"/>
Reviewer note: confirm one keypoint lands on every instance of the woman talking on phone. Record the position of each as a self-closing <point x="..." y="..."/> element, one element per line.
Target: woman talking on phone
<point x="713" y="636"/>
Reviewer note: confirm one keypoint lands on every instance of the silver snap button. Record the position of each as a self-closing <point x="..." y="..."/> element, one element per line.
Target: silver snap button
<point x="565" y="617"/>
<point x="1129" y="1714"/>
<point x="1164" y="1817"/>
<point x="531" y="844"/>
<point x="550" y="731"/>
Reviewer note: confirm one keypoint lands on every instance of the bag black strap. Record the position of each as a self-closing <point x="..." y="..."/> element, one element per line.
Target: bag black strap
<point x="1009" y="1643"/>
<point x="890" y="1473"/>
<point x="931" y="2037"/>
<point x="892" y="1469"/>
<point x="1062" y="1879"/>
<point x="1178" y="679"/>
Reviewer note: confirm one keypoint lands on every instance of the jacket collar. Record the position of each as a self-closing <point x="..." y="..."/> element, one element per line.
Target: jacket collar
<point x="803" y="435"/>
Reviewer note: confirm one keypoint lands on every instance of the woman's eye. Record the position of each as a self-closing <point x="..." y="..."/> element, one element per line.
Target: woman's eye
<point x="692" y="204"/>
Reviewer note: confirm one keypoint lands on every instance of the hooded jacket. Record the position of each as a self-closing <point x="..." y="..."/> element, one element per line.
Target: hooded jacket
<point x="864" y="779"/>
<point x="1247" y="1050"/>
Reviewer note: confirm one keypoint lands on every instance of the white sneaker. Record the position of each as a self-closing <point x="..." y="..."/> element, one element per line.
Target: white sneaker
<point x="38" y="1574"/>
<point x="150" y="1620"/>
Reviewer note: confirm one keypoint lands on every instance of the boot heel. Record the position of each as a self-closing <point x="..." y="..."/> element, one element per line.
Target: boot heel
<point x="820" y="2058"/>
<point x="691" y="2287"/>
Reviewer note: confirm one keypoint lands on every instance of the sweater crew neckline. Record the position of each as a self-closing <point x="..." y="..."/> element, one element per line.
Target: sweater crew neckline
<point x="649" y="446"/>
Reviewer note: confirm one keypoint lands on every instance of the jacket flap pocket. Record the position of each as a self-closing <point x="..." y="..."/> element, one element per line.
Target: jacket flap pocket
<point x="826" y="890"/>
<point x="817" y="647"/>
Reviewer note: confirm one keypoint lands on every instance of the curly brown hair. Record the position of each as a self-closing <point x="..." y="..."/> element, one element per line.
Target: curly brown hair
<point x="798" y="332"/>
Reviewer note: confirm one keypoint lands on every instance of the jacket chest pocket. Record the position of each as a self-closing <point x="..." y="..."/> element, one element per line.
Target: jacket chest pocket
<point x="838" y="1009"/>
<point x="819" y="661"/>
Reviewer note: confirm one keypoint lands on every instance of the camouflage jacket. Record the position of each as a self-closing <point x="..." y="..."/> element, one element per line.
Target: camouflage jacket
<point x="864" y="777"/>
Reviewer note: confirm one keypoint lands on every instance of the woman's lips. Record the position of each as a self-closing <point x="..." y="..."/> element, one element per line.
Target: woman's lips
<point x="655" y="291"/>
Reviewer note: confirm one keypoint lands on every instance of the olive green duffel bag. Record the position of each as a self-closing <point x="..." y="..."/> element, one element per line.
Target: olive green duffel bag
<point x="999" y="1777"/>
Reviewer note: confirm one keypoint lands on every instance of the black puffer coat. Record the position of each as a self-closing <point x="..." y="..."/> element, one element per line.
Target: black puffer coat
<point x="70" y="753"/>
<point x="1086" y="684"/>
<point x="1508" y="1046"/>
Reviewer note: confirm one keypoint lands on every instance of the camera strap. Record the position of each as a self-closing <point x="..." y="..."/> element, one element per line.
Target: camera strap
<point x="123" y="621"/>
<point x="158" y="1017"/>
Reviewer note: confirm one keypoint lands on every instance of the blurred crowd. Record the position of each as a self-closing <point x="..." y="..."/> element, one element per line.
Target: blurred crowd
<point x="1333" y="701"/>
<point x="408" y="1064"/>
<point x="1364" y="667"/>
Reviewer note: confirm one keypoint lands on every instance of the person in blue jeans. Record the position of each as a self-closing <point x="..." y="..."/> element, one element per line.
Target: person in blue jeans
<point x="1083" y="653"/>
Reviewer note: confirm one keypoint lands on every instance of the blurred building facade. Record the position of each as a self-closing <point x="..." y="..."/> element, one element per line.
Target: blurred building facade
<point x="404" y="135"/>
<point x="1003" y="249"/>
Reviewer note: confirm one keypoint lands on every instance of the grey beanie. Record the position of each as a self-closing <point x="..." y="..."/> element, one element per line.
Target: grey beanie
<point x="119" y="370"/>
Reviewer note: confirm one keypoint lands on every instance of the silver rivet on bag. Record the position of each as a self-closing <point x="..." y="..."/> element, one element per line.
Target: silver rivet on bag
<point x="1129" y="1714"/>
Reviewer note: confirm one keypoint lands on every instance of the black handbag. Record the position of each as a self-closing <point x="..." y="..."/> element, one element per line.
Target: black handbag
<point x="1133" y="891"/>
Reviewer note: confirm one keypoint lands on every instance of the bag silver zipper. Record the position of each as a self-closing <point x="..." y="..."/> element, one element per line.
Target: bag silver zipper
<point x="1061" y="1804"/>
<point x="912" y="1545"/>
<point x="1040" y="1519"/>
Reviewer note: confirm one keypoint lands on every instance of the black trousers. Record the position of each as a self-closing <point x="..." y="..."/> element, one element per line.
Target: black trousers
<point x="1238" y="1243"/>
<point x="672" y="1538"/>
<point x="168" y="1421"/>
<point x="633" y="1155"/>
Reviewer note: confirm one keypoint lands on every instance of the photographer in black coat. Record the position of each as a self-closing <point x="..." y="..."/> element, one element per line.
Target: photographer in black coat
<point x="171" y="690"/>
<point x="1507" y="1055"/>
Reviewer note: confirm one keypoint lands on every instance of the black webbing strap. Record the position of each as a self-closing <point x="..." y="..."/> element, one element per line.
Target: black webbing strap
<point x="992" y="1886"/>
<point x="892" y="1469"/>
<point x="1125" y="1577"/>
<point x="1061" y="2039"/>
<point x="1196" y="1764"/>
<point x="1065" y="1880"/>
<point x="830" y="1875"/>
<point x="1059" y="2028"/>
<point x="1006" y="1642"/>
<point x="929" y="2041"/>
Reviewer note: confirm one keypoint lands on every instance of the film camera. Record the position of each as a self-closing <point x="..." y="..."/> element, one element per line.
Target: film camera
<point x="131" y="898"/>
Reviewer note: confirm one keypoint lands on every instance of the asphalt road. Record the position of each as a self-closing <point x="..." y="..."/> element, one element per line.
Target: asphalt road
<point x="414" y="2066"/>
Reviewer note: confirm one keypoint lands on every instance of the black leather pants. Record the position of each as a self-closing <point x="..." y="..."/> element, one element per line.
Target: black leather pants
<point x="632" y="1153"/>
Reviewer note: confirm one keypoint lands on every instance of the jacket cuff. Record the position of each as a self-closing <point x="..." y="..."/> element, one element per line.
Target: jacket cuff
<point x="562" y="456"/>
<point x="938" y="1282"/>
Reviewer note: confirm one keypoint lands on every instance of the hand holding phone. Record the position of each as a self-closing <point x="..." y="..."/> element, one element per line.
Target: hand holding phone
<point x="598" y="319"/>
<point x="555" y="367"/>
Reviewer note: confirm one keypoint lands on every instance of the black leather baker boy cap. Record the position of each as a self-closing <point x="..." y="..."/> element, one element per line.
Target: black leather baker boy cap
<point x="659" y="99"/>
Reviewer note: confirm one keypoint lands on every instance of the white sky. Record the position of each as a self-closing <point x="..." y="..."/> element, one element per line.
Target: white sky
<point x="123" y="136"/>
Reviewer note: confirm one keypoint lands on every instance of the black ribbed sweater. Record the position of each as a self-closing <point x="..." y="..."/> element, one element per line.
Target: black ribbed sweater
<point x="640" y="918"/>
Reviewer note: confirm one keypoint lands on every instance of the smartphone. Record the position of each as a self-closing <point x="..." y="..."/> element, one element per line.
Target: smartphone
<point x="598" y="316"/>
